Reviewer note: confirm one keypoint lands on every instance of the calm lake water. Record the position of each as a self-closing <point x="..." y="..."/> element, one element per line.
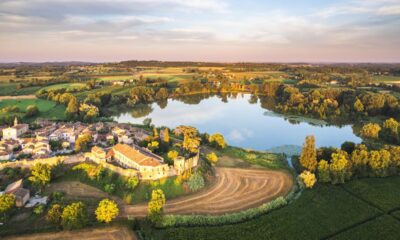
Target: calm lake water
<point x="243" y="124"/>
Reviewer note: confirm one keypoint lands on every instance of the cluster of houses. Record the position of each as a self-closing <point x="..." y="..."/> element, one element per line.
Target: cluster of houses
<point x="115" y="143"/>
<point x="19" y="139"/>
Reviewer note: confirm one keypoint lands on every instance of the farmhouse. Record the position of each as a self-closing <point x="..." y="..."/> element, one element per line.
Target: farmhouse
<point x="15" y="131"/>
<point x="149" y="165"/>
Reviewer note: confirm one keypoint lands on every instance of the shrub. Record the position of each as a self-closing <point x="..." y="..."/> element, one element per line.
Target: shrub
<point x="215" y="220"/>
<point x="308" y="179"/>
<point x="195" y="182"/>
<point x="74" y="216"/>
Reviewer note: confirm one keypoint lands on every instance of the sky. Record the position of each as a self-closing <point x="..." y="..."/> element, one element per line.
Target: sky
<point x="200" y="30"/>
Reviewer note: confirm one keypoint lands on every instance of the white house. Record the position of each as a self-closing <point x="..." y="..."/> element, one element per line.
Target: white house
<point x="15" y="131"/>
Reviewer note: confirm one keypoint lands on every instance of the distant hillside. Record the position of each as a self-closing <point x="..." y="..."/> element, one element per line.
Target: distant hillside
<point x="289" y="150"/>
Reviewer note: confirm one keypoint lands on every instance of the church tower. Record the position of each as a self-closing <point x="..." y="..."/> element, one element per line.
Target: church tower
<point x="15" y="121"/>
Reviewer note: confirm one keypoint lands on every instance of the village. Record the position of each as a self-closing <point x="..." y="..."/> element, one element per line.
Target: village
<point x="114" y="146"/>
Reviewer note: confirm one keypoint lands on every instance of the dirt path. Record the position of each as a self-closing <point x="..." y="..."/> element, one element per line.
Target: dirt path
<point x="18" y="97"/>
<point x="105" y="233"/>
<point x="234" y="190"/>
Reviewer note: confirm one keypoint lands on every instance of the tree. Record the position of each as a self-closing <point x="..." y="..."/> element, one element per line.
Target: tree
<point x="155" y="132"/>
<point x="212" y="158"/>
<point x="191" y="144"/>
<point x="156" y="205"/>
<point x="348" y="147"/>
<point x="166" y="135"/>
<point x="74" y="216"/>
<point x="89" y="112"/>
<point x="7" y="201"/>
<point x="308" y="157"/>
<point x="173" y="154"/>
<point x="162" y="94"/>
<point x="339" y="167"/>
<point x="132" y="182"/>
<point x="380" y="162"/>
<point x="323" y="171"/>
<point x="147" y="122"/>
<point x="31" y="111"/>
<point x="217" y="140"/>
<point x="360" y="158"/>
<point x="358" y="106"/>
<point x="40" y="174"/>
<point x="54" y="214"/>
<point x="395" y="153"/>
<point x="308" y="178"/>
<point x="371" y="130"/>
<point x="82" y="143"/>
<point x="392" y="125"/>
<point x="106" y="211"/>
<point x="153" y="145"/>
<point x="72" y="109"/>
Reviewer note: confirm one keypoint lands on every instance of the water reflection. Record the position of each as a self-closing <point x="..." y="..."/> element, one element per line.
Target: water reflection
<point x="243" y="119"/>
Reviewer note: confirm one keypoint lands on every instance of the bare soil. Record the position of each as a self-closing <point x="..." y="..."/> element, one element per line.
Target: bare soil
<point x="234" y="190"/>
<point x="105" y="233"/>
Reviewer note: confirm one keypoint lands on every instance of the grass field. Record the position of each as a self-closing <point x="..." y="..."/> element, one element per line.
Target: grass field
<point x="64" y="85"/>
<point x="48" y="109"/>
<point x="387" y="79"/>
<point x="325" y="212"/>
<point x="238" y="157"/>
<point x="7" y="89"/>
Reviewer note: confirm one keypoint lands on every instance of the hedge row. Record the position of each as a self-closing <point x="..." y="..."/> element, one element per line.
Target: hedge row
<point x="229" y="218"/>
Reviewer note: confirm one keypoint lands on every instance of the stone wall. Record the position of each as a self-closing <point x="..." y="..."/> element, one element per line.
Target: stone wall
<point x="31" y="163"/>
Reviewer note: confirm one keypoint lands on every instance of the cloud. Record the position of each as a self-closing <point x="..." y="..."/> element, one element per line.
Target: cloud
<point x="238" y="135"/>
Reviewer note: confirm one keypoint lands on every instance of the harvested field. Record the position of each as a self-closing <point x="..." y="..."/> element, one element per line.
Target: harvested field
<point x="121" y="233"/>
<point x="234" y="190"/>
<point x="77" y="190"/>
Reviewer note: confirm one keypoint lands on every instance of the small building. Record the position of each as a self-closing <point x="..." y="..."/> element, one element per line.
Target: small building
<point x="181" y="164"/>
<point x="22" y="196"/>
<point x="5" y="155"/>
<point x="13" y="187"/>
<point x="99" y="153"/>
<point x="15" y="131"/>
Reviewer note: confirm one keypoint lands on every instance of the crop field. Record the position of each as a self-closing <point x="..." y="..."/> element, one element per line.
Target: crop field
<point x="324" y="212"/>
<point x="48" y="109"/>
<point x="233" y="190"/>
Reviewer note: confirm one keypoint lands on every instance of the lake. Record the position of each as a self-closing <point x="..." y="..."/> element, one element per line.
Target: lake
<point x="242" y="123"/>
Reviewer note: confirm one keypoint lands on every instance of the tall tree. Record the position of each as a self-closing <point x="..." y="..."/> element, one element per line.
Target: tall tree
<point x="156" y="205"/>
<point x="166" y="135"/>
<point x="72" y="109"/>
<point x="308" y="157"/>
